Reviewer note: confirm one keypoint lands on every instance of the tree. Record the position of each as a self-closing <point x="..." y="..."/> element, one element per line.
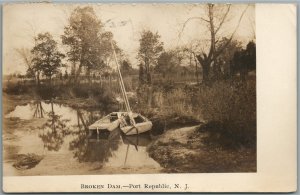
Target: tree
<point x="141" y="73"/>
<point x="66" y="76"/>
<point x="244" y="60"/>
<point x="222" y="67"/>
<point x="106" y="48"/>
<point x="217" y="16"/>
<point x="82" y="36"/>
<point x="150" y="49"/>
<point x="26" y="55"/>
<point x="166" y="63"/>
<point x="54" y="131"/>
<point x="126" y="68"/>
<point x="46" y="57"/>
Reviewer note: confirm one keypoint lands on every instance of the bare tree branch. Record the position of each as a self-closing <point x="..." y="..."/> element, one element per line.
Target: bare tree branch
<point x="189" y="19"/>
<point x="25" y="55"/>
<point x="233" y="33"/>
<point x="223" y="19"/>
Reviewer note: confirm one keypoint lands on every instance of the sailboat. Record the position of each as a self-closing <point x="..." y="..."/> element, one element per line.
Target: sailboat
<point x="129" y="122"/>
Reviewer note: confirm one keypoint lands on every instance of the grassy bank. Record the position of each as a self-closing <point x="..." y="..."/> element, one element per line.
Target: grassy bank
<point x="228" y="109"/>
<point x="223" y="140"/>
<point x="226" y="139"/>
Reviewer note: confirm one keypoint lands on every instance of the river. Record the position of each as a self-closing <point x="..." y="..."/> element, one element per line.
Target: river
<point x="58" y="134"/>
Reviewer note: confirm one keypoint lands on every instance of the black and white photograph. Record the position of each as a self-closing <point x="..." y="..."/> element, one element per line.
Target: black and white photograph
<point x="91" y="89"/>
<point x="149" y="97"/>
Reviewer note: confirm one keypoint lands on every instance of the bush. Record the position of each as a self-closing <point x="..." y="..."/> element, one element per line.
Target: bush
<point x="229" y="110"/>
<point x="16" y="88"/>
<point x="230" y="134"/>
<point x="226" y="101"/>
<point x="80" y="91"/>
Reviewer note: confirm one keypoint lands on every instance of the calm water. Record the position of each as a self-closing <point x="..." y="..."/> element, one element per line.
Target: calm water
<point x="59" y="134"/>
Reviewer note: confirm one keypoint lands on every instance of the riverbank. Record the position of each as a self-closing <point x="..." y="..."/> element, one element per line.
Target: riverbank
<point x="181" y="143"/>
<point x="184" y="151"/>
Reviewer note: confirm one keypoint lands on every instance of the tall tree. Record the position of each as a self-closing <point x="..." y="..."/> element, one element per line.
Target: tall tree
<point x="216" y="17"/>
<point x="150" y="49"/>
<point x="82" y="36"/>
<point x="106" y="48"/>
<point x="46" y="57"/>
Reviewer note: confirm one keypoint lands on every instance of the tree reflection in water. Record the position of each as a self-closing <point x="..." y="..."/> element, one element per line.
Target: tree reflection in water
<point x="54" y="131"/>
<point x="95" y="148"/>
<point x="39" y="111"/>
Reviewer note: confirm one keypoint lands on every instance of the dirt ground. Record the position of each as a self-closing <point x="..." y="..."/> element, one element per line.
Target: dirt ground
<point x="182" y="150"/>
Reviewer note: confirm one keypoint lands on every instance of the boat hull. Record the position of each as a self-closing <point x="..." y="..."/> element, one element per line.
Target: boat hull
<point x="138" y="129"/>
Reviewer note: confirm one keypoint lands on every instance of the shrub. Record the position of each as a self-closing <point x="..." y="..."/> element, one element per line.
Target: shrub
<point x="229" y="110"/>
<point x="227" y="102"/>
<point x="16" y="88"/>
<point x="230" y="134"/>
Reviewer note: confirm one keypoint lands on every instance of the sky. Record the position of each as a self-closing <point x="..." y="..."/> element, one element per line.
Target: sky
<point x="21" y="22"/>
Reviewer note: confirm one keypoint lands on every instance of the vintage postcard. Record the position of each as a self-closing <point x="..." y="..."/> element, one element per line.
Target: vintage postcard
<point x="149" y="97"/>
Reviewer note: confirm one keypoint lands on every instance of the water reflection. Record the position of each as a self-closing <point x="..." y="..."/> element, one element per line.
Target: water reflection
<point x="95" y="148"/>
<point x="135" y="140"/>
<point x="54" y="130"/>
<point x="39" y="111"/>
<point x="65" y="132"/>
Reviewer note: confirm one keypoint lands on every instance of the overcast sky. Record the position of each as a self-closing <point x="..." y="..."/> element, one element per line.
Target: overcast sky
<point x="22" y="21"/>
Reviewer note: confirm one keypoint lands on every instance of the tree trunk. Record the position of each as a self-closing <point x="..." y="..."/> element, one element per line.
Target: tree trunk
<point x="205" y="73"/>
<point x="196" y="67"/>
<point x="88" y="74"/>
<point x="148" y="72"/>
<point x="149" y="96"/>
<point x="38" y="78"/>
<point x="217" y="72"/>
<point x="50" y="80"/>
<point x="205" y="63"/>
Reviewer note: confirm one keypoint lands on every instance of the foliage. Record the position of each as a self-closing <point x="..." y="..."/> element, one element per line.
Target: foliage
<point x="244" y="60"/>
<point x="228" y="109"/>
<point x="223" y="67"/>
<point x="149" y="51"/>
<point x="17" y="88"/>
<point x="89" y="46"/>
<point x="126" y="68"/>
<point x="81" y="36"/>
<point x="226" y="101"/>
<point x="47" y="59"/>
<point x="166" y="64"/>
<point x="230" y="134"/>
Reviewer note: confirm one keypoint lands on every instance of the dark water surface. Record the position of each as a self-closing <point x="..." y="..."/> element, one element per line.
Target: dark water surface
<point x="58" y="133"/>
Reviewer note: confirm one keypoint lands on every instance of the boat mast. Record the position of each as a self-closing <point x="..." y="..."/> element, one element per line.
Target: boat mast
<point x="121" y="81"/>
<point x="124" y="91"/>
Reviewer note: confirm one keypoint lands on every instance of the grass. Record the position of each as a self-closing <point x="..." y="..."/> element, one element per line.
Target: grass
<point x="227" y="108"/>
